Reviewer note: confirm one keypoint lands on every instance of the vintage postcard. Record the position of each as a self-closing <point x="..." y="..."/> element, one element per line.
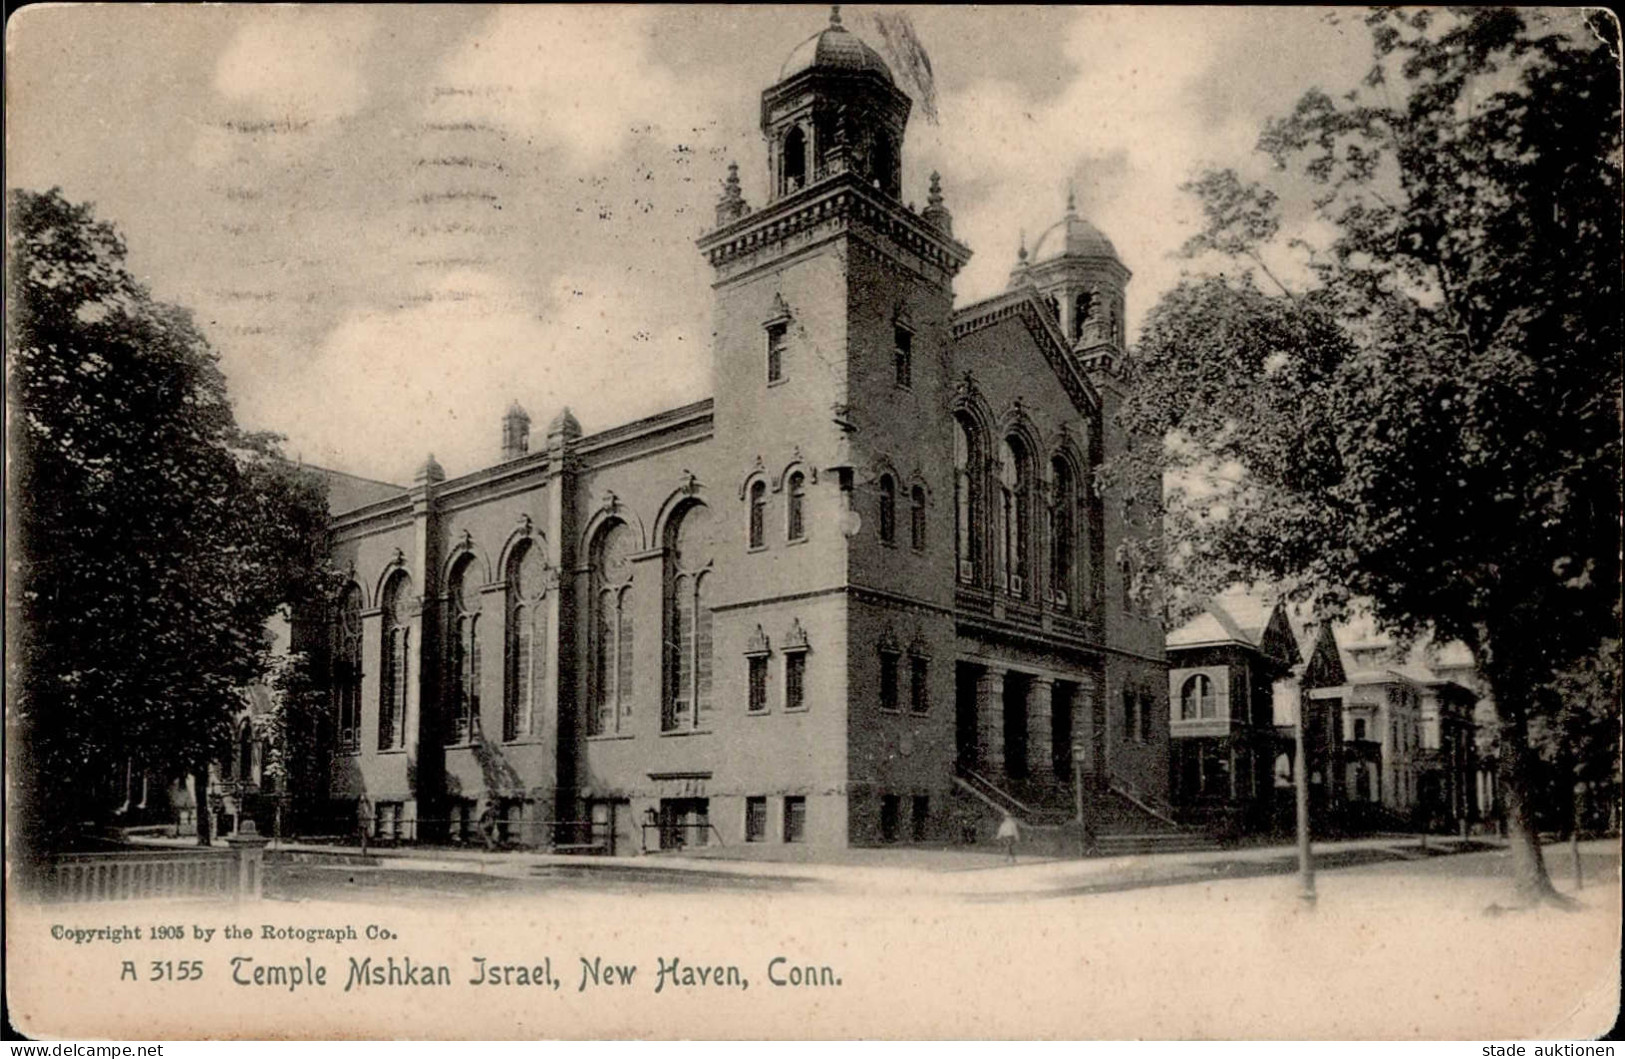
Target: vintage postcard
<point x="698" y="587"/>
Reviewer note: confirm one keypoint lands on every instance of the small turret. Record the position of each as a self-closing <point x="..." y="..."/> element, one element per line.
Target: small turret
<point x="564" y="425"/>
<point x="429" y="472"/>
<point x="515" y="432"/>
<point x="936" y="214"/>
<point x="732" y="205"/>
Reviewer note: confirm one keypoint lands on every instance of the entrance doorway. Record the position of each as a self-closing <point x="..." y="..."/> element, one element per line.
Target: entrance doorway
<point x="612" y="827"/>
<point x="1060" y="726"/>
<point x="966" y="678"/>
<point x="1016" y="688"/>
<point x="684" y="822"/>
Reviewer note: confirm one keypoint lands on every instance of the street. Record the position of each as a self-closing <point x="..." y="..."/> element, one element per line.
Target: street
<point x="1395" y="949"/>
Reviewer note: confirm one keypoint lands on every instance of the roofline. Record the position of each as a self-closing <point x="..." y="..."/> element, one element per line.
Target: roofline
<point x="358" y="477"/>
<point x="663" y="420"/>
<point x="1060" y="357"/>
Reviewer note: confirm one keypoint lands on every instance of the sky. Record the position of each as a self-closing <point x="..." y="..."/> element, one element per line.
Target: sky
<point x="393" y="221"/>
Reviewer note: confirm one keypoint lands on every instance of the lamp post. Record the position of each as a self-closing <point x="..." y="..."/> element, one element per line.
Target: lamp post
<point x="1300" y="778"/>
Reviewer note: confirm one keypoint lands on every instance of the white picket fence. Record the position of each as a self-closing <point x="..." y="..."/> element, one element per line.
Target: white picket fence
<point x="153" y="875"/>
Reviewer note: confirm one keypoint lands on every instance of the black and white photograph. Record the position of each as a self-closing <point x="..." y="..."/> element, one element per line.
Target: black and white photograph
<point x="622" y="522"/>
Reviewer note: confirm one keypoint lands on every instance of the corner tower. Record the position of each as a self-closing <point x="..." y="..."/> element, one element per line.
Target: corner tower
<point x="830" y="375"/>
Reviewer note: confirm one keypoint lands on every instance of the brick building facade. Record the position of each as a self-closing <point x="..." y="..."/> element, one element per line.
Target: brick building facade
<point x="868" y="578"/>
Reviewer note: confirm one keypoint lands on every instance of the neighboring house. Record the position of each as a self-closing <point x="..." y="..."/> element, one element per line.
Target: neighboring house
<point x="1319" y="679"/>
<point x="1449" y="760"/>
<point x="242" y="785"/>
<point x="1453" y="662"/>
<point x="1408" y="733"/>
<point x="867" y="575"/>
<point x="1222" y="668"/>
<point x="1382" y="733"/>
<point x="1389" y="739"/>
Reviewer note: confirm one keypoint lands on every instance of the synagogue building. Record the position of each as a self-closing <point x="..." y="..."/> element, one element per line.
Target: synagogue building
<point x="865" y="593"/>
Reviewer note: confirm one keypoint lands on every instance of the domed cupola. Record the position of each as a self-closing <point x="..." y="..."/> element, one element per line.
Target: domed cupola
<point x="835" y="109"/>
<point x="1077" y="270"/>
<point x="834" y="48"/>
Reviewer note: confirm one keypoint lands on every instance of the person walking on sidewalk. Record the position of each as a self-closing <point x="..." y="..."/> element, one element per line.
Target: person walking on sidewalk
<point x="1009" y="832"/>
<point x="488" y="826"/>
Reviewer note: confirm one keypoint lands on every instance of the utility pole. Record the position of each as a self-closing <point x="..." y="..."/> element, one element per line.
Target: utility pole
<point x="1300" y="775"/>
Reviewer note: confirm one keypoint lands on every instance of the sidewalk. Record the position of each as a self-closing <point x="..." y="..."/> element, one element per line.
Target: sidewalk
<point x="944" y="872"/>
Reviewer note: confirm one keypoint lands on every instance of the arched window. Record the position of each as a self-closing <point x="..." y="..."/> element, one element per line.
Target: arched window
<point x="758" y="514"/>
<point x="888" y="509"/>
<point x="462" y="654"/>
<point x="1062" y="537"/>
<point x="526" y="682"/>
<point x="396" y="654"/>
<point x="794" y="161"/>
<point x="883" y="164"/>
<point x="916" y="518"/>
<point x="796" y="514"/>
<point x="688" y="620"/>
<point x="1196" y="700"/>
<point x="611" y="629"/>
<point x="1015" y="522"/>
<point x="245" y="754"/>
<point x="1081" y="307"/>
<point x="967" y="500"/>
<point x="903" y="356"/>
<point x="347" y="669"/>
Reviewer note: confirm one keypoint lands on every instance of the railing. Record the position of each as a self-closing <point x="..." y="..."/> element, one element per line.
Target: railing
<point x="993" y="794"/>
<point x="704" y="829"/>
<point x="143" y="875"/>
<point x="1142" y="803"/>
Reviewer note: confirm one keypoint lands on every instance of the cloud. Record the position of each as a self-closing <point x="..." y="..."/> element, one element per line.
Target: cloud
<point x="387" y="385"/>
<point x="1153" y="102"/>
<point x="582" y="79"/>
<point x="297" y="64"/>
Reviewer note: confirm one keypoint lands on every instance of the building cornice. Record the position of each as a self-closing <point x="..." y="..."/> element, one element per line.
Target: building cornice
<point x="837" y="199"/>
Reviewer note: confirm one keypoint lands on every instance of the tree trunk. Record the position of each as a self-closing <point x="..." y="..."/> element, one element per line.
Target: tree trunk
<point x="1531" y="884"/>
<point x="200" y="790"/>
<point x="1530" y="881"/>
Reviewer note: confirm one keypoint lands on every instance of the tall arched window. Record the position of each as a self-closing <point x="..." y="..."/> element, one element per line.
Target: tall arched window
<point x="688" y="620"/>
<point x="462" y="653"/>
<point x="1196" y="700"/>
<point x="1062" y="535"/>
<point x="967" y="500"/>
<point x="397" y="655"/>
<point x="888" y="509"/>
<point x="796" y="512"/>
<point x="758" y="514"/>
<point x="1081" y="308"/>
<point x="916" y="518"/>
<point x="245" y="754"/>
<point x="794" y="161"/>
<point x="1015" y="522"/>
<point x="526" y="606"/>
<point x="347" y="669"/>
<point x="612" y="630"/>
<point x="883" y="163"/>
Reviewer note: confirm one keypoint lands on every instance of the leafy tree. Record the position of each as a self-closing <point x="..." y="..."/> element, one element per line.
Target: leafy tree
<point x="1424" y="411"/>
<point x="1576" y="737"/>
<point x="151" y="539"/>
<point x="299" y="737"/>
